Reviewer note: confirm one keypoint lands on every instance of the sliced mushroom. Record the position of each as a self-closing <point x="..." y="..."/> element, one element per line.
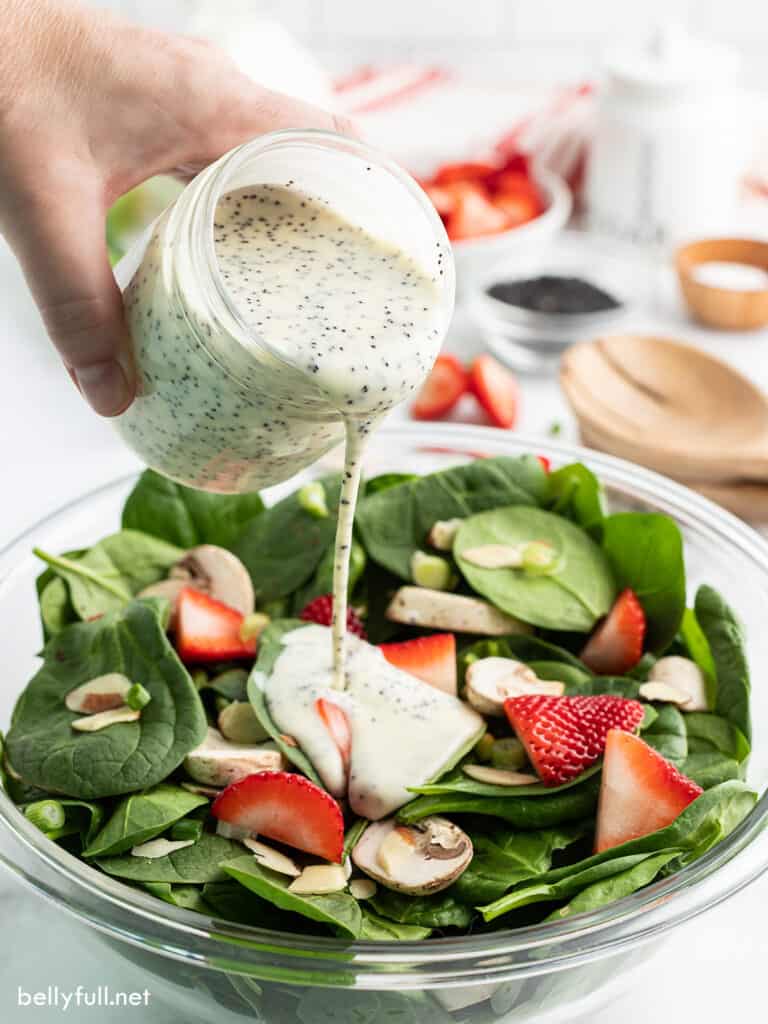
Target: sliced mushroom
<point x="319" y="879"/>
<point x="362" y="888"/>
<point x="217" y="572"/>
<point x="270" y="858"/>
<point x="238" y="724"/>
<point x="228" y="831"/>
<point x="664" y="693"/>
<point x="443" y="533"/>
<point x="422" y="858"/>
<point x="194" y="787"/>
<point x="436" y="609"/>
<point x="160" y="847"/>
<point x="217" y="762"/>
<point x="490" y="681"/>
<point x="100" y="694"/>
<point x="103" y="719"/>
<point x="684" y="675"/>
<point x="498" y="776"/>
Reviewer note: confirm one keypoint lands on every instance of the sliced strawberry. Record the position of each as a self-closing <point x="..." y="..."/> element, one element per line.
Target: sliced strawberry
<point x="285" y="807"/>
<point x="640" y="791"/>
<point x="470" y="170"/>
<point x="443" y="199"/>
<point x="617" y="643"/>
<point x="518" y="207"/>
<point x="564" y="735"/>
<point x="336" y="722"/>
<point x="546" y="464"/>
<point x="474" y="215"/>
<point x="209" y="630"/>
<point x="441" y="390"/>
<point x="321" y="611"/>
<point x="512" y="180"/>
<point x="496" y="390"/>
<point x="429" y="658"/>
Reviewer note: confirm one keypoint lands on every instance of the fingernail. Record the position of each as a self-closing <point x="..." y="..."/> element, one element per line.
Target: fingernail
<point x="104" y="386"/>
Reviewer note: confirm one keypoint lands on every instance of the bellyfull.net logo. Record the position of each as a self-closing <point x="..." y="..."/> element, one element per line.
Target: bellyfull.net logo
<point x="100" y="997"/>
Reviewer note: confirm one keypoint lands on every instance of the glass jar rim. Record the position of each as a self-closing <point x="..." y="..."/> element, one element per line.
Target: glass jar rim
<point x="132" y="916"/>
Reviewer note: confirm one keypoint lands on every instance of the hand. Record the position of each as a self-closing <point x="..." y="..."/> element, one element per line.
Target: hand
<point x="89" y="107"/>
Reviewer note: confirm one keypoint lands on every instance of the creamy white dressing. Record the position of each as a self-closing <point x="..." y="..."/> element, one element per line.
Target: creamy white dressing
<point x="404" y="732"/>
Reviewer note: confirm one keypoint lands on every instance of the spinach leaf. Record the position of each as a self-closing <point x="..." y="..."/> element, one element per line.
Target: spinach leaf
<point x="322" y="581"/>
<point x="710" y="732"/>
<point x="187" y="517"/>
<point x="577" y="494"/>
<point x="47" y="752"/>
<point x="619" y="686"/>
<point x="56" y="609"/>
<point x="705" y="821"/>
<point x="726" y="642"/>
<point x="106" y="577"/>
<point x="503" y="859"/>
<point x="345" y="1006"/>
<point x="384" y="481"/>
<point x="574" y="678"/>
<point x="234" y="902"/>
<point x="709" y="768"/>
<point x="283" y="546"/>
<point x="270" y="646"/>
<point x="380" y="929"/>
<point x="339" y="910"/>
<point x="520" y="811"/>
<point x="188" y="897"/>
<point x="231" y="684"/>
<point x="353" y="834"/>
<point x="439" y="911"/>
<point x="142" y="816"/>
<point x="616" y="887"/>
<point x="697" y="648"/>
<point x="394" y="523"/>
<point x="191" y="865"/>
<point x="457" y="782"/>
<point x="522" y="648"/>
<point x="572" y="598"/>
<point x="667" y="734"/>
<point x="81" y="818"/>
<point x="646" y="552"/>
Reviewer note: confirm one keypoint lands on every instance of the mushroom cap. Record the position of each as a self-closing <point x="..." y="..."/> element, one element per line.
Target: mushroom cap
<point x="217" y="762"/>
<point x="217" y="572"/>
<point x="490" y="681"/>
<point x="419" y="859"/>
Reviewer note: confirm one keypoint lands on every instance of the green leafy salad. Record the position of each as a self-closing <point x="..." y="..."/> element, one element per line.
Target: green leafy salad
<point x="534" y="723"/>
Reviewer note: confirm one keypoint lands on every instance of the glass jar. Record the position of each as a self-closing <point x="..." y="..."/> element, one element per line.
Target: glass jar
<point x="220" y="407"/>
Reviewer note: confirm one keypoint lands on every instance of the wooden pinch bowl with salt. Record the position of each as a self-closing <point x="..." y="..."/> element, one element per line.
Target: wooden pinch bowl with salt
<point x="724" y="282"/>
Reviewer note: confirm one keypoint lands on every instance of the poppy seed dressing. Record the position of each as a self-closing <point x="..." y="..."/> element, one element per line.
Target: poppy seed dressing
<point x="331" y="328"/>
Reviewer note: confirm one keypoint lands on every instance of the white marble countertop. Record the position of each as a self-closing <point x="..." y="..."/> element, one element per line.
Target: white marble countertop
<point x="54" y="449"/>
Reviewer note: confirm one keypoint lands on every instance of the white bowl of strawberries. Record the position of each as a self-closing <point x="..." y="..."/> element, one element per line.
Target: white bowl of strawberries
<point x="493" y="209"/>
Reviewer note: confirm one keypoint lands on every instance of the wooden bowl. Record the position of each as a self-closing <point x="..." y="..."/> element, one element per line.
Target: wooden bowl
<point x="725" y="308"/>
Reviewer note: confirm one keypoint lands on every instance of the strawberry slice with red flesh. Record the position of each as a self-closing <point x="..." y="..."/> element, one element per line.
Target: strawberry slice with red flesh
<point x="286" y="807"/>
<point x="336" y="722"/>
<point x="496" y="389"/>
<point x="320" y="611"/>
<point x="442" y="389"/>
<point x="546" y="464"/>
<point x="430" y="658"/>
<point x="565" y="735"/>
<point x="640" y="791"/>
<point x="473" y="214"/>
<point x="617" y="643"/>
<point x="209" y="630"/>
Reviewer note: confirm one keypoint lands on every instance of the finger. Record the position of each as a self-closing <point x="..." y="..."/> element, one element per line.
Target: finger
<point x="58" y="237"/>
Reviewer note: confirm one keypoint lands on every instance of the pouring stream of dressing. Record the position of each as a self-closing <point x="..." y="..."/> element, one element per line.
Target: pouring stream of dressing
<point x="360" y="318"/>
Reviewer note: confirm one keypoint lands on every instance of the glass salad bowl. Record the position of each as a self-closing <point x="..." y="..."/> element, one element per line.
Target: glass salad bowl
<point x="217" y="971"/>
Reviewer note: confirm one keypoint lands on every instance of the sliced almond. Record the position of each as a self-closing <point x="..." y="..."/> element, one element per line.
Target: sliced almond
<point x="229" y="831"/>
<point x="363" y="888"/>
<point x="685" y="676"/>
<point x="217" y="762"/>
<point x="103" y="719"/>
<point x="160" y="847"/>
<point x="238" y="724"/>
<point x="498" y="776"/>
<point x="491" y="681"/>
<point x="443" y="533"/>
<point x="100" y="694"/>
<point x="429" y="860"/>
<point x="272" y="859"/>
<point x="664" y="692"/>
<point x="319" y="879"/>
<point x="196" y="787"/>
<point x="495" y="556"/>
<point x="437" y="609"/>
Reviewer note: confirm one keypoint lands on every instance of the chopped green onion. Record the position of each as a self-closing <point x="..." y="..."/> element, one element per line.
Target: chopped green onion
<point x="137" y="697"/>
<point x="312" y="500"/>
<point x="432" y="571"/>
<point x="253" y="626"/>
<point x="508" y="753"/>
<point x="484" y="747"/>
<point x="47" y="815"/>
<point x="540" y="558"/>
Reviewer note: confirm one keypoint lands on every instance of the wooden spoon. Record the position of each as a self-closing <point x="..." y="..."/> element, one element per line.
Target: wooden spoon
<point x="747" y="500"/>
<point x="669" y="406"/>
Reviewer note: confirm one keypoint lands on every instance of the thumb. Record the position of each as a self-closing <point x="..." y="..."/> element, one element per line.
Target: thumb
<point x="58" y="237"/>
